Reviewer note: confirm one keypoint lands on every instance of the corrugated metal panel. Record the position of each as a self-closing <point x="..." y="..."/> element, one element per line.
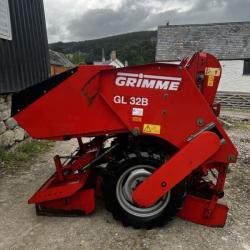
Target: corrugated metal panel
<point x="24" y="60"/>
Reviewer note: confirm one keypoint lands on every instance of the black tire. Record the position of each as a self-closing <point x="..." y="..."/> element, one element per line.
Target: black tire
<point x="115" y="204"/>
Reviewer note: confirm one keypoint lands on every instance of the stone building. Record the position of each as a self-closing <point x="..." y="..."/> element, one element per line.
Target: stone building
<point x="229" y="42"/>
<point x="24" y="58"/>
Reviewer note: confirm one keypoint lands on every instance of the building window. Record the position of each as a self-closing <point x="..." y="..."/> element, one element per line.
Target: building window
<point x="5" y="26"/>
<point x="246" y="67"/>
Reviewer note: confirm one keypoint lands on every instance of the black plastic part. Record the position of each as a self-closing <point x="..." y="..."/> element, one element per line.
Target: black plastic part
<point x="217" y="132"/>
<point x="49" y="211"/>
<point x="27" y="96"/>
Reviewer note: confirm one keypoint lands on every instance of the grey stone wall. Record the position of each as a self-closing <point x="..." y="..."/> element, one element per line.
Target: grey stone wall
<point x="226" y="41"/>
<point x="10" y="132"/>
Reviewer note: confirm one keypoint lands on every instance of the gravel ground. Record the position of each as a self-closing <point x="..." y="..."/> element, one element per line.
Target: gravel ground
<point x="20" y="228"/>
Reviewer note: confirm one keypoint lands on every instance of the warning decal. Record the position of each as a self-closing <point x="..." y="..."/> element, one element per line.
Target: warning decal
<point x="152" y="129"/>
<point x="210" y="81"/>
<point x="212" y="71"/>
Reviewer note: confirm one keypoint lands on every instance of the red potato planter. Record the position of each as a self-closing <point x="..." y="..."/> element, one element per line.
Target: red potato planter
<point x="164" y="140"/>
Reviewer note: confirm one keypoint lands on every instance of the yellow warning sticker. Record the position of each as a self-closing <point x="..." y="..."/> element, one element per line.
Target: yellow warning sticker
<point x="212" y="71"/>
<point x="152" y="129"/>
<point x="210" y="81"/>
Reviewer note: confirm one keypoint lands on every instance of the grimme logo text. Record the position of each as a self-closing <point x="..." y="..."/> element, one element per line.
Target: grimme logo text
<point x="147" y="81"/>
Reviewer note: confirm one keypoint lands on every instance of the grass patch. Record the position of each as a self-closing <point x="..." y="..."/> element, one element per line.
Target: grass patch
<point x="241" y="125"/>
<point x="11" y="159"/>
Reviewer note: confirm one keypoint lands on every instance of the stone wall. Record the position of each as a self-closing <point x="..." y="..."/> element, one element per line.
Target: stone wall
<point x="226" y="41"/>
<point x="10" y="132"/>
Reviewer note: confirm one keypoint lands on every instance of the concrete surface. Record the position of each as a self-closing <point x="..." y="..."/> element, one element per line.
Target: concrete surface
<point x="20" y="228"/>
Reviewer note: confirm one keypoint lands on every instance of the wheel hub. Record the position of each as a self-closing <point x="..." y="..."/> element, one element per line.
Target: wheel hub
<point x="134" y="179"/>
<point x="126" y="184"/>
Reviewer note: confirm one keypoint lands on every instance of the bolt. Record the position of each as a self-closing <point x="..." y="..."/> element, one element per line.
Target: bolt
<point x="200" y="122"/>
<point x="164" y="184"/>
<point x="165" y="96"/>
<point x="231" y="157"/>
<point x="220" y="193"/>
<point x="164" y="112"/>
<point x="135" y="131"/>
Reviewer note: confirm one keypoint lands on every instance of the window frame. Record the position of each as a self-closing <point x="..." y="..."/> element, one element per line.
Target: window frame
<point x="246" y="67"/>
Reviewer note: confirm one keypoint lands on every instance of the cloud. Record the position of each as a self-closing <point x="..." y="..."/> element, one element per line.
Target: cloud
<point x="104" y="22"/>
<point x="85" y="20"/>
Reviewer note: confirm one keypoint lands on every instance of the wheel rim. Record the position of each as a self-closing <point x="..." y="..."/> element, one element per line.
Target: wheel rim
<point x="124" y="188"/>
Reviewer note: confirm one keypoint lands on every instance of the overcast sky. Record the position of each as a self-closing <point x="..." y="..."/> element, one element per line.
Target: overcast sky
<point x="79" y="20"/>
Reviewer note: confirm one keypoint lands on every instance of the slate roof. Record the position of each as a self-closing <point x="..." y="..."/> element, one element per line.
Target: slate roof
<point x="59" y="59"/>
<point x="224" y="40"/>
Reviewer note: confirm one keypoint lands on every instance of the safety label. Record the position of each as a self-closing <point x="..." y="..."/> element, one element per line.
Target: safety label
<point x="151" y="128"/>
<point x="137" y="112"/>
<point x="210" y="81"/>
<point x="212" y="71"/>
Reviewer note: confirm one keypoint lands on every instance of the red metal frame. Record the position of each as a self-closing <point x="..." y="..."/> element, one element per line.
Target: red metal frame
<point x="64" y="190"/>
<point x="199" y="150"/>
<point x="195" y="209"/>
<point x="168" y="101"/>
<point x="208" y="212"/>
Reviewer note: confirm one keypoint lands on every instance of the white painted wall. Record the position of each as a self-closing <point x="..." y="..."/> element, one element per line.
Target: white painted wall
<point x="232" y="78"/>
<point x="117" y="63"/>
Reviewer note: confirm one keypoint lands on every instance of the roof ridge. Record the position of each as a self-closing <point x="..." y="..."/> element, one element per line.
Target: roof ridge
<point x="203" y="24"/>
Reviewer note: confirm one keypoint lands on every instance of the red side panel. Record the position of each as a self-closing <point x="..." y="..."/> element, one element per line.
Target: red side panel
<point x="161" y="100"/>
<point x="83" y="200"/>
<point x="69" y="111"/>
<point x="53" y="189"/>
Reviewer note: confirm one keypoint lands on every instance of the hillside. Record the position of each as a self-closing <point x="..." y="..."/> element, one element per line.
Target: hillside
<point x="137" y="47"/>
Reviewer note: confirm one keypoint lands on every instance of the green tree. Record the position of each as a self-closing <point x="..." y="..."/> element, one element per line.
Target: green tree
<point x="136" y="48"/>
<point x="76" y="58"/>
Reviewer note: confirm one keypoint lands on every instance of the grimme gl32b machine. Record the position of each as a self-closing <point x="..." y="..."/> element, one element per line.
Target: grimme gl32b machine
<point x="156" y="147"/>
